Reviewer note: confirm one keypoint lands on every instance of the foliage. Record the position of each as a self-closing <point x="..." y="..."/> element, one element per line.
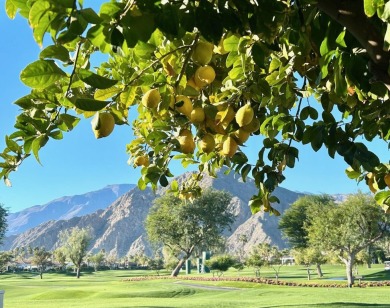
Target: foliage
<point x="272" y="55"/>
<point x="297" y="218"/>
<point x="348" y="228"/>
<point x="184" y="226"/>
<point x="41" y="258"/>
<point x="59" y="256"/>
<point x="5" y="258"/>
<point x="97" y="259"/>
<point x="74" y="243"/>
<point x="3" y="221"/>
<point x="220" y="263"/>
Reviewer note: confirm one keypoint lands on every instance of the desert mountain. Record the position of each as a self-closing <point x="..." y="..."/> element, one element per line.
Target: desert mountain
<point x="120" y="228"/>
<point x="65" y="208"/>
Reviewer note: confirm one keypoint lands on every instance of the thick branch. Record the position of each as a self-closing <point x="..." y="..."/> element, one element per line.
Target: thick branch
<point x="350" y="14"/>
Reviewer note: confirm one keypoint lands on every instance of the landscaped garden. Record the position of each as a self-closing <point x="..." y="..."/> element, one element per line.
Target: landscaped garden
<point x="122" y="288"/>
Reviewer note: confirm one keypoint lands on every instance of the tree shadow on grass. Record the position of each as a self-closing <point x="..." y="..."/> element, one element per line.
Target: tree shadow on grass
<point x="378" y="276"/>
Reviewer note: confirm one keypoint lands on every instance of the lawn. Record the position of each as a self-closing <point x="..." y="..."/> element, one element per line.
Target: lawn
<point x="110" y="289"/>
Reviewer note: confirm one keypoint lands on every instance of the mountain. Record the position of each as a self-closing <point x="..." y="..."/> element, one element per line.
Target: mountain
<point x="120" y="228"/>
<point x="65" y="208"/>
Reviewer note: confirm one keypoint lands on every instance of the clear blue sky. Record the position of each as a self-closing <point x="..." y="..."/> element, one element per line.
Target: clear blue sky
<point x="79" y="163"/>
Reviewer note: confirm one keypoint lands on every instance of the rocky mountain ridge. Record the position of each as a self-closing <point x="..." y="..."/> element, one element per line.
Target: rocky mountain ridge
<point x="65" y="208"/>
<point x="119" y="228"/>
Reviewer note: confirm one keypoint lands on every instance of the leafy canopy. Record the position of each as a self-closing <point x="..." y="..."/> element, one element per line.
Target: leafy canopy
<point x="270" y="54"/>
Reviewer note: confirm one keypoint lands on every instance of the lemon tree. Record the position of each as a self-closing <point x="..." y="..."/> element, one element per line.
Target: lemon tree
<point x="250" y="65"/>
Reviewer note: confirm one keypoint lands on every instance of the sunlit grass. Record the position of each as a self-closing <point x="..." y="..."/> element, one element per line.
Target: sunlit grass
<point x="108" y="289"/>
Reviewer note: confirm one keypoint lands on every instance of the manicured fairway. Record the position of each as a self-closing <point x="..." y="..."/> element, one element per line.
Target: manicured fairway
<point x="109" y="289"/>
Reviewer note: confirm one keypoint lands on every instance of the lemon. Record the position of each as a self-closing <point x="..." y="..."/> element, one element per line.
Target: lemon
<point x="229" y="147"/>
<point x="191" y="83"/>
<point x="244" y="115"/>
<point x="204" y="75"/>
<point x="186" y="140"/>
<point x="151" y="98"/>
<point x="214" y="127"/>
<point x="387" y="179"/>
<point x="253" y="126"/>
<point x="103" y="124"/>
<point x="226" y="116"/>
<point x="203" y="52"/>
<point x="207" y="143"/>
<point x="241" y="135"/>
<point x="197" y="115"/>
<point x="142" y="160"/>
<point x="183" y="105"/>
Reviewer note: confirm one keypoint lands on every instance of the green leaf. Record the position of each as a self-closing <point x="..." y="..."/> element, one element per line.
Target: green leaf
<point x="383" y="197"/>
<point x="95" y="80"/>
<point x="163" y="181"/>
<point x="127" y="97"/>
<point x="104" y="94"/>
<point x="90" y="16"/>
<point x="352" y="174"/>
<point x="12" y="145"/>
<point x="88" y="104"/>
<point x="55" y="52"/>
<point x="68" y="122"/>
<point x="387" y="38"/>
<point x="11" y="9"/>
<point x="37" y="144"/>
<point x="370" y="7"/>
<point x="255" y="205"/>
<point x="245" y="171"/>
<point x="231" y="43"/>
<point x="41" y="74"/>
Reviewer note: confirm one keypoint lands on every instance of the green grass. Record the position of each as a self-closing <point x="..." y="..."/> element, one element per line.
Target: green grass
<point x="110" y="289"/>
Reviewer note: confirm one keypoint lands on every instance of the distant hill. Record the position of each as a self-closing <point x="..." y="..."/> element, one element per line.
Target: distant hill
<point x="65" y="208"/>
<point x="120" y="227"/>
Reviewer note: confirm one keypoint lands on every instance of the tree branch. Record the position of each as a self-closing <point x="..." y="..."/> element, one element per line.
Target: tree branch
<point x="350" y="14"/>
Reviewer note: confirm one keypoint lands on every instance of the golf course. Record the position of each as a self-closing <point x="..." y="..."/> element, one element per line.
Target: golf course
<point x="136" y="288"/>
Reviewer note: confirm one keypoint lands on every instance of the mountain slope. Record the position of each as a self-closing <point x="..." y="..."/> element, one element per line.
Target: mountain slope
<point x="65" y="208"/>
<point x="120" y="228"/>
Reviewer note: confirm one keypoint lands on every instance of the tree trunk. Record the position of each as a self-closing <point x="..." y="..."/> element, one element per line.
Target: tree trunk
<point x="78" y="272"/>
<point x="176" y="271"/>
<point x="308" y="273"/>
<point x="41" y="274"/>
<point x="349" y="262"/>
<point x="319" y="270"/>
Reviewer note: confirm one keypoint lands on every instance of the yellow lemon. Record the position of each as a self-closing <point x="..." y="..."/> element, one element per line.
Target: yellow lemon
<point x="204" y="75"/>
<point x="142" y="160"/>
<point x="253" y="126"/>
<point x="197" y="115"/>
<point x="183" y="105"/>
<point x="186" y="140"/>
<point x="229" y="147"/>
<point x="225" y="116"/>
<point x="207" y="143"/>
<point x="387" y="179"/>
<point x="241" y="135"/>
<point x="203" y="52"/>
<point x="151" y="98"/>
<point x="103" y="124"/>
<point x="244" y="115"/>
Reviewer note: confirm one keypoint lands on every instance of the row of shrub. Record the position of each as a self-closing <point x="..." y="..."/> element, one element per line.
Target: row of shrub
<point x="363" y="284"/>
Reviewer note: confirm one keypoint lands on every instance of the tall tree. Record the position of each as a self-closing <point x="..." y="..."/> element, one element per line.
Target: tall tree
<point x="3" y="222"/>
<point x="41" y="258"/>
<point x="217" y="72"/>
<point x="348" y="228"/>
<point x="185" y="226"/>
<point x="75" y="244"/>
<point x="294" y="225"/>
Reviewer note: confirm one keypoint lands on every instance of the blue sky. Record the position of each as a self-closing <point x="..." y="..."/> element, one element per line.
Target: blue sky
<point x="79" y="163"/>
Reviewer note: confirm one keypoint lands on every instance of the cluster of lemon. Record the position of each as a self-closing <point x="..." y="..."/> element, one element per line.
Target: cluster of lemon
<point x="212" y="127"/>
